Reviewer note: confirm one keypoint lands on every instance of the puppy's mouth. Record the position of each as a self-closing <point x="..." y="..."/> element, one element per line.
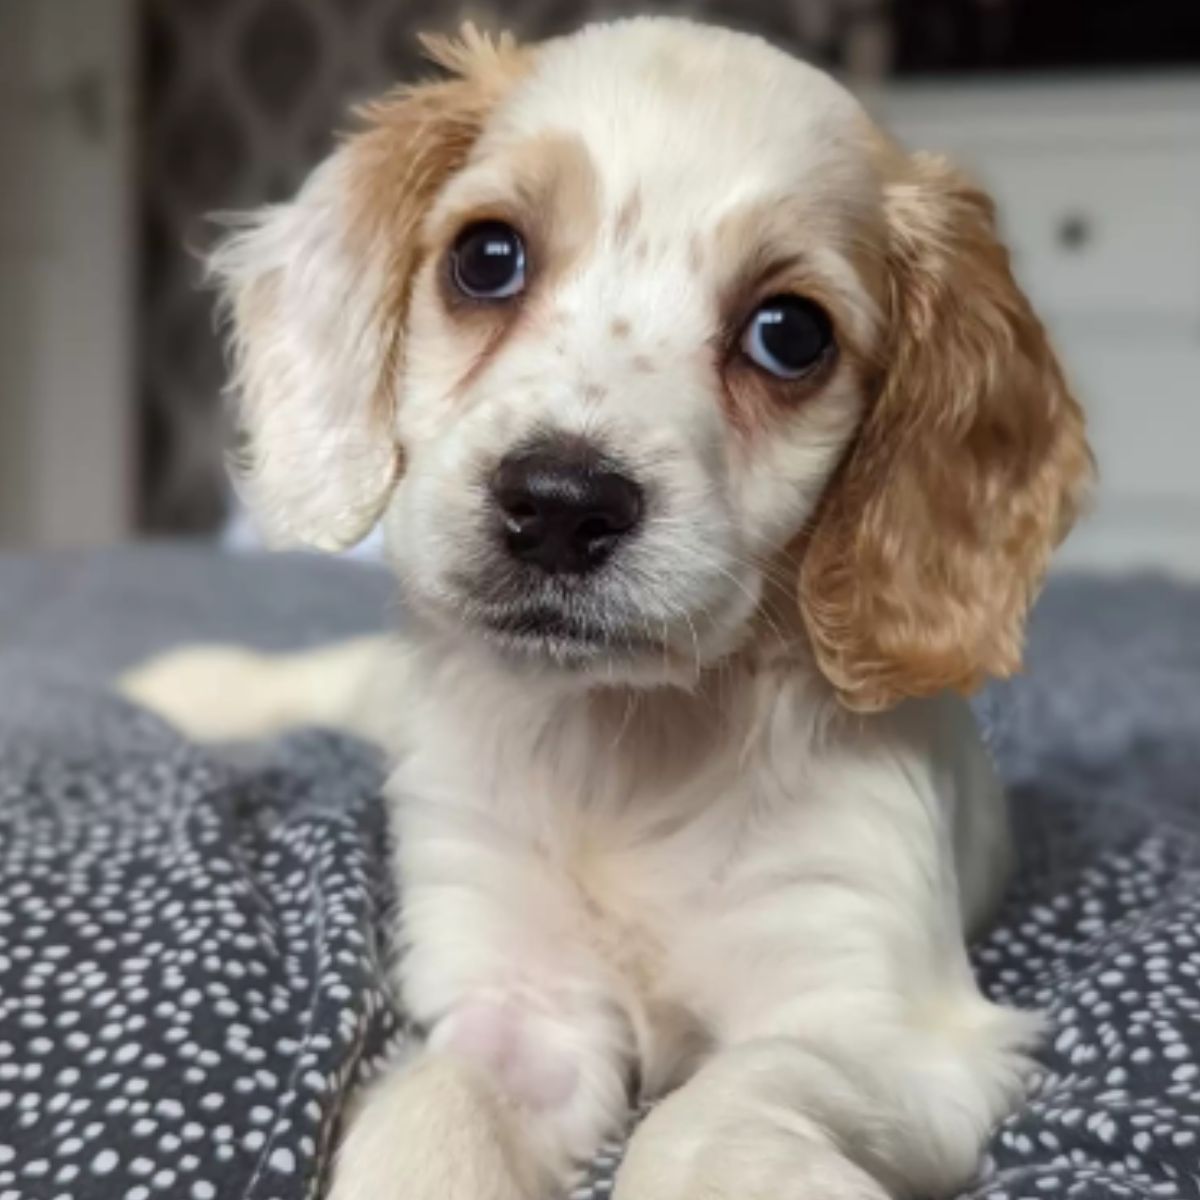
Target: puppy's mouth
<point x="548" y="632"/>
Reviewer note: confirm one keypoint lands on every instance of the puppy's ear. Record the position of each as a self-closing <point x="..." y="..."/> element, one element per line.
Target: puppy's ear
<point x="968" y="469"/>
<point x="318" y="292"/>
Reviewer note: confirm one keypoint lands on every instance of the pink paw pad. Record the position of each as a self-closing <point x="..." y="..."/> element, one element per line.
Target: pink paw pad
<point x="523" y="1058"/>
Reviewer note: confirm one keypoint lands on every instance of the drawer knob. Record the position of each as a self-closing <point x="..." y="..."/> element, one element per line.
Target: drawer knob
<point x="1074" y="231"/>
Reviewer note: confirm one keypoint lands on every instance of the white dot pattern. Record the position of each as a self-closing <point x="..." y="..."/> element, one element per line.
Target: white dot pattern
<point x="189" y="976"/>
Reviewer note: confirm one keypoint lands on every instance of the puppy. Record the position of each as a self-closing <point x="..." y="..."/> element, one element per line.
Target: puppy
<point x="716" y="451"/>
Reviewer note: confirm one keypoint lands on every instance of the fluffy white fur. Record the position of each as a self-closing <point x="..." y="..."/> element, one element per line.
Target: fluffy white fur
<point x="743" y="891"/>
<point x="681" y="868"/>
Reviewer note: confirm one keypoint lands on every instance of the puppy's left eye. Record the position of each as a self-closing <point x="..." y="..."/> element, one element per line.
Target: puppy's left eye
<point x="788" y="336"/>
<point x="487" y="261"/>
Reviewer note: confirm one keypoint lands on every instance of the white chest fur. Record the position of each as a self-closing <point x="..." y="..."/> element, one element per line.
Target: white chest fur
<point x="694" y="859"/>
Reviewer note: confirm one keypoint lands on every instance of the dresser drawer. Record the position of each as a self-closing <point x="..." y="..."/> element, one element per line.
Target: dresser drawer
<point x="1100" y="229"/>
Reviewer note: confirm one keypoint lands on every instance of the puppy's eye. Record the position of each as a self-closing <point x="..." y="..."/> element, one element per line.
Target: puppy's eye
<point x="788" y="336"/>
<point x="487" y="261"/>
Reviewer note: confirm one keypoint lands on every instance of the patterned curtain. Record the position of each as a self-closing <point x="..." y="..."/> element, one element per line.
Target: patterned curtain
<point x="240" y="98"/>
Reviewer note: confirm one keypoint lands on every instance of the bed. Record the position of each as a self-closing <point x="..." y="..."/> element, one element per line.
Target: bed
<point x="193" y="943"/>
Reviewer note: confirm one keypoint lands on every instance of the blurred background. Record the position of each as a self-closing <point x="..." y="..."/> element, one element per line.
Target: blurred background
<point x="123" y="123"/>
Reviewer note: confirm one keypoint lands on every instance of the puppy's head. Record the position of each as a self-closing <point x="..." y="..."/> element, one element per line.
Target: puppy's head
<point x="646" y="344"/>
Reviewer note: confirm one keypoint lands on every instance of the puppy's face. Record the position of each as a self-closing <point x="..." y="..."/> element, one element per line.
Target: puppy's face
<point x="635" y="350"/>
<point x="645" y="342"/>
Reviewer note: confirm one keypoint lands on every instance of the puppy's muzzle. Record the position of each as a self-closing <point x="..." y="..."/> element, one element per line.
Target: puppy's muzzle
<point x="564" y="508"/>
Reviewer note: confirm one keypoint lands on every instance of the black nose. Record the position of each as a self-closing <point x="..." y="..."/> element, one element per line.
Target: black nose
<point x="563" y="506"/>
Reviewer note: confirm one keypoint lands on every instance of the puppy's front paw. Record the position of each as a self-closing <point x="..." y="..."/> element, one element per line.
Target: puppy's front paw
<point x="676" y="1154"/>
<point x="434" y="1131"/>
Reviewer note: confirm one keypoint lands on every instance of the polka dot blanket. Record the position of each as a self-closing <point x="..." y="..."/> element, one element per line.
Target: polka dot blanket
<point x="193" y="944"/>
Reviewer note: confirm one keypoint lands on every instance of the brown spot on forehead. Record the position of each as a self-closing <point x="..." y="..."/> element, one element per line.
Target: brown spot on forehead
<point x="558" y="197"/>
<point x="643" y="363"/>
<point x="620" y="327"/>
<point x="546" y="186"/>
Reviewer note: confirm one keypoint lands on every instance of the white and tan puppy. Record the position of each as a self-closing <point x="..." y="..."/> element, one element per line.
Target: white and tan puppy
<point x="716" y="450"/>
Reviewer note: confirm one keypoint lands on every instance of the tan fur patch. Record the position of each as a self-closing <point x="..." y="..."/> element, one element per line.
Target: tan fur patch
<point x="413" y="140"/>
<point x="552" y="198"/>
<point x="563" y="200"/>
<point x="970" y="466"/>
<point x="620" y="327"/>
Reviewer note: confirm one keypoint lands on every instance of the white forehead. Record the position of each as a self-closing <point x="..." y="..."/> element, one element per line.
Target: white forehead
<point x="706" y="117"/>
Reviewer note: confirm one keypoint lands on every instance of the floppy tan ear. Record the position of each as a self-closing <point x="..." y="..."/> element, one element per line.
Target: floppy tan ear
<point x="969" y="467"/>
<point x="318" y="292"/>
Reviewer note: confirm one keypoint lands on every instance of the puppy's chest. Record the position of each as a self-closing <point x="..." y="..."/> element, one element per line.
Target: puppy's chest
<point x="628" y="905"/>
<point x="625" y="869"/>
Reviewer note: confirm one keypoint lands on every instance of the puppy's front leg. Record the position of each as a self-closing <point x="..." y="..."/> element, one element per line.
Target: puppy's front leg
<point x="511" y="1092"/>
<point x="851" y="1108"/>
<point x="436" y="1129"/>
<point x="733" y="1133"/>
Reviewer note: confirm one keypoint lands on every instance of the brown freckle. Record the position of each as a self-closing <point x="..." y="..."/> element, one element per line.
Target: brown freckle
<point x="642" y="250"/>
<point x="620" y="327"/>
<point x="627" y="218"/>
<point x="643" y="363"/>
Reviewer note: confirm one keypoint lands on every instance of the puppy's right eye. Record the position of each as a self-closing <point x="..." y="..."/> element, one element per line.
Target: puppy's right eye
<point x="487" y="261"/>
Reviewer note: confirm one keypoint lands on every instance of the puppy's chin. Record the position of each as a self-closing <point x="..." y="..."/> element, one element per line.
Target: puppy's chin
<point x="597" y="649"/>
<point x="582" y="656"/>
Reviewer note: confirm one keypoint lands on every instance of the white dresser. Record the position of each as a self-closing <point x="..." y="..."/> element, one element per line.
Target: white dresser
<point x="1098" y="186"/>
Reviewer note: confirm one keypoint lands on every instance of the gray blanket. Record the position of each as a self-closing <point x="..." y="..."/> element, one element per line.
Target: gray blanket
<point x="193" y="948"/>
